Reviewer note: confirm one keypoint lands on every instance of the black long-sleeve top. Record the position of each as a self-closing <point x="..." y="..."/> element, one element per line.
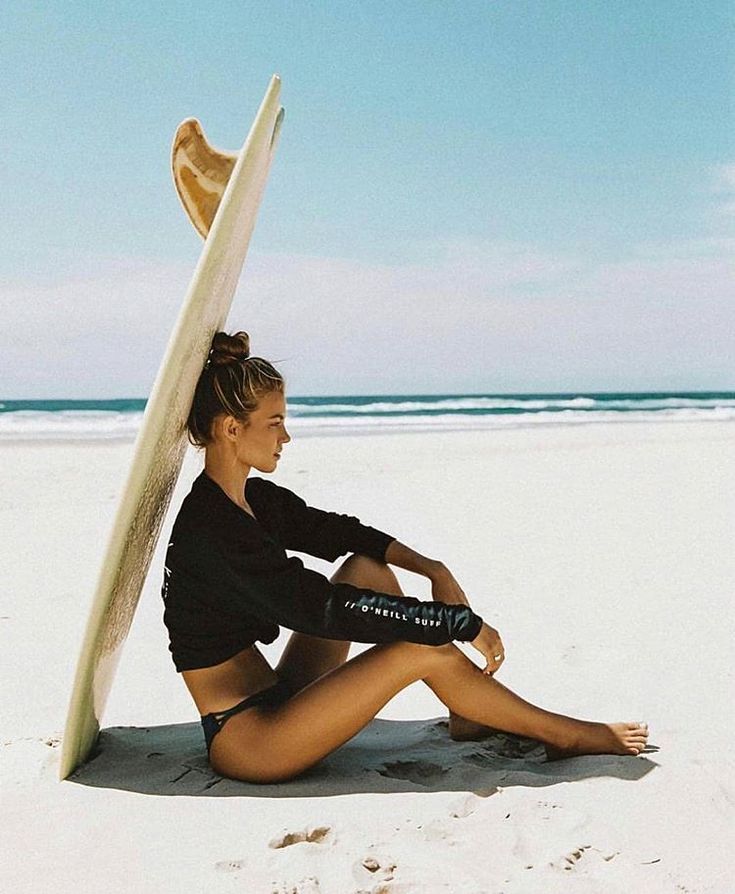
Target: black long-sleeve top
<point x="229" y="583"/>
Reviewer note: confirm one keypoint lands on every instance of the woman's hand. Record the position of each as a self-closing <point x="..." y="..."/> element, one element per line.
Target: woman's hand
<point x="444" y="588"/>
<point x="489" y="644"/>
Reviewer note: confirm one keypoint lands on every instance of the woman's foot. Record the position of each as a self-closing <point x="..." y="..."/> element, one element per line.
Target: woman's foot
<point x="602" y="738"/>
<point x="463" y="730"/>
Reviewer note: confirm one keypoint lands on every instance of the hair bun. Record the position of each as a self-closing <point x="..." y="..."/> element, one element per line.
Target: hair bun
<point x="229" y="348"/>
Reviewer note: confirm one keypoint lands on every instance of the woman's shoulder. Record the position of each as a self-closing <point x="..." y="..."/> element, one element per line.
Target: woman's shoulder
<point x="206" y="510"/>
<point x="268" y="490"/>
<point x="263" y="484"/>
<point x="274" y="501"/>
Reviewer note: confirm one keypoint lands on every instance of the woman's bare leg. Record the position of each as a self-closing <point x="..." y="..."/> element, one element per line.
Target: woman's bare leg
<point x="268" y="745"/>
<point x="305" y="658"/>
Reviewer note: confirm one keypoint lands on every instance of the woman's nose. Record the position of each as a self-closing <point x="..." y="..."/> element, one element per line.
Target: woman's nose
<point x="286" y="437"/>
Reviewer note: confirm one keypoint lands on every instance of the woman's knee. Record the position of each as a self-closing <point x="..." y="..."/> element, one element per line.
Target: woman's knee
<point x="425" y="658"/>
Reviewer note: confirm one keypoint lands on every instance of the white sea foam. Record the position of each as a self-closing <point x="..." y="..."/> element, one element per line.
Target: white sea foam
<point x="342" y="417"/>
<point x="510" y="403"/>
<point x="68" y="425"/>
<point x="438" y="422"/>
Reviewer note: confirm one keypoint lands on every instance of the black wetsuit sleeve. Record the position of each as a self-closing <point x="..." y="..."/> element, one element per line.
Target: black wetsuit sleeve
<point x="280" y="590"/>
<point x="326" y="535"/>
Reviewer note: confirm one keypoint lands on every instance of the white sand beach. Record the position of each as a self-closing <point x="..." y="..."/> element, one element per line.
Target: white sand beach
<point x="602" y="553"/>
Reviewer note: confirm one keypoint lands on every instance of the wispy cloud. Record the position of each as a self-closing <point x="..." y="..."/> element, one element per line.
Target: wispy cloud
<point x="501" y="316"/>
<point x="471" y="316"/>
<point x="97" y="330"/>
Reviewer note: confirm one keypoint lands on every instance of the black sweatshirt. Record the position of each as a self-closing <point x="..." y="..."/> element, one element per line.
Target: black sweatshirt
<point x="228" y="581"/>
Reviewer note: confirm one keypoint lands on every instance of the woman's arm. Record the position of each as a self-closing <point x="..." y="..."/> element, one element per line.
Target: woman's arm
<point x="317" y="532"/>
<point x="239" y="573"/>
<point x="444" y="588"/>
<point x="328" y="535"/>
<point x="404" y="557"/>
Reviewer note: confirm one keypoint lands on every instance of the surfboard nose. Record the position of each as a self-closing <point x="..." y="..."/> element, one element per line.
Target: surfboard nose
<point x="201" y="171"/>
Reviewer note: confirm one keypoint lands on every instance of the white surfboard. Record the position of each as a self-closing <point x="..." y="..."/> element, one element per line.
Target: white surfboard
<point x="221" y="193"/>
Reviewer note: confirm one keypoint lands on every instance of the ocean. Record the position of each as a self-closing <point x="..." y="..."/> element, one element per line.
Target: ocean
<point x="342" y="414"/>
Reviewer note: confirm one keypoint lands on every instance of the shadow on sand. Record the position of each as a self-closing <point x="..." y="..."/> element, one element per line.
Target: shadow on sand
<point x="387" y="756"/>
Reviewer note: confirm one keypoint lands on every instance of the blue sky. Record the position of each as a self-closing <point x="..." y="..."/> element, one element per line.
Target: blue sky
<point x="497" y="196"/>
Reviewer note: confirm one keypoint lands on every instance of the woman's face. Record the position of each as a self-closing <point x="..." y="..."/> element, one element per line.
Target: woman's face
<point x="259" y="443"/>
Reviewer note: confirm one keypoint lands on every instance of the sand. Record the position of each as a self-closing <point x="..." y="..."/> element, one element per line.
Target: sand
<point x="602" y="553"/>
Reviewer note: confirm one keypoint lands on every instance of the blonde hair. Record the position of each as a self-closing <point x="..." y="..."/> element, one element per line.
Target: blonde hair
<point x="232" y="383"/>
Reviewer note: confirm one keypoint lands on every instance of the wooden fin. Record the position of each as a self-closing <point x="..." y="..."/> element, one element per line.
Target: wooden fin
<point x="201" y="173"/>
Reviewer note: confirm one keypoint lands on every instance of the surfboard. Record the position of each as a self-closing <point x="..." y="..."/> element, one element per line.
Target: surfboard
<point x="221" y="192"/>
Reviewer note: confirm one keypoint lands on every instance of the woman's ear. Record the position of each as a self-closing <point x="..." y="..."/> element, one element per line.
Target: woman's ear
<point x="230" y="427"/>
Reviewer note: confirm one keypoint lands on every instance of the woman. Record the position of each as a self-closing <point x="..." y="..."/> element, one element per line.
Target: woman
<point x="228" y="583"/>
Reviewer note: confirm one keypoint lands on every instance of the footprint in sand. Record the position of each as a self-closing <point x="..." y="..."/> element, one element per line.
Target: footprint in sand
<point x="506" y="745"/>
<point x="374" y="869"/>
<point x="570" y="860"/>
<point x="308" y="885"/>
<point x="312" y="835"/>
<point x="464" y="807"/>
<point x="420" y="772"/>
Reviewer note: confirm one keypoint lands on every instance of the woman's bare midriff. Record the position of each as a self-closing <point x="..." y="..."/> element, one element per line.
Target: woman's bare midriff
<point x="224" y="685"/>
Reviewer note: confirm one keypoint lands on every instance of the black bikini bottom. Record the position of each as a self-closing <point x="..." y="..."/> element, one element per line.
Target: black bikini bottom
<point x="271" y="696"/>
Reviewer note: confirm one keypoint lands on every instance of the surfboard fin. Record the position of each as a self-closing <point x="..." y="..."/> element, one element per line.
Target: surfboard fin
<point x="277" y="128"/>
<point x="201" y="171"/>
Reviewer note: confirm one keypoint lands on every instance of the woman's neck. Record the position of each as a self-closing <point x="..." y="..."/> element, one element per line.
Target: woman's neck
<point x="229" y="474"/>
